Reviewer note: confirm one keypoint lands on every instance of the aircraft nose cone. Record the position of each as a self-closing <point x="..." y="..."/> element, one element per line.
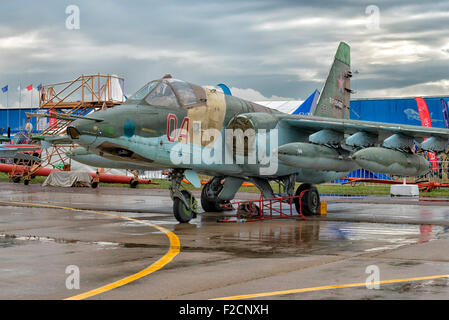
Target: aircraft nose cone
<point x="80" y="131"/>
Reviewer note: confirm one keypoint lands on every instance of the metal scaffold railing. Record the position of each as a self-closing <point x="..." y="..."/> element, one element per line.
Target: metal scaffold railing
<point x="85" y="94"/>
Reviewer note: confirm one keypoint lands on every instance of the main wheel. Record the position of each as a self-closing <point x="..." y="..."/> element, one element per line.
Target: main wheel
<point x="181" y="212"/>
<point x="310" y="200"/>
<point x="209" y="205"/>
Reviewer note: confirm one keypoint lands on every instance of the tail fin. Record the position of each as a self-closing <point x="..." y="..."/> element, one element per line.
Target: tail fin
<point x="335" y="95"/>
<point x="445" y="113"/>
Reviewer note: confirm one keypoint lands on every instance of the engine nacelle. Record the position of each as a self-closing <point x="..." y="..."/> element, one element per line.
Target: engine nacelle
<point x="393" y="162"/>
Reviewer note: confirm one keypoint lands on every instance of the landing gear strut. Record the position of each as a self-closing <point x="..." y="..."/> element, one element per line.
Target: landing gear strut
<point x="184" y="203"/>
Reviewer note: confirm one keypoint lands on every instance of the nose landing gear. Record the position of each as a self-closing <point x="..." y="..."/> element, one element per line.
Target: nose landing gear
<point x="185" y="205"/>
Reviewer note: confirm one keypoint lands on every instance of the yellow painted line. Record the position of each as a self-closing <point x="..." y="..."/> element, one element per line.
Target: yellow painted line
<point x="337" y="286"/>
<point x="174" y="249"/>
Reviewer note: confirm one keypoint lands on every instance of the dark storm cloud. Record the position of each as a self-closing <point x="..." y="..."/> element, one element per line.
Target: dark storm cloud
<point x="281" y="48"/>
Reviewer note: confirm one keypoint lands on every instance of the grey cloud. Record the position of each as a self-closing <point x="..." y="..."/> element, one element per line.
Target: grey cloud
<point x="215" y="41"/>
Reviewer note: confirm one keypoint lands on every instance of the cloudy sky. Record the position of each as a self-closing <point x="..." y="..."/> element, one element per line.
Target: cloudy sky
<point x="262" y="49"/>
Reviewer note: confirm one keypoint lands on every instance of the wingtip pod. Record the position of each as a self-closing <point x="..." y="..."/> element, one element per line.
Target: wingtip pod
<point x="344" y="53"/>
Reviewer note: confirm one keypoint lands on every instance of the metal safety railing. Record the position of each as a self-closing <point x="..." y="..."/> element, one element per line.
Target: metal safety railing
<point x="438" y="175"/>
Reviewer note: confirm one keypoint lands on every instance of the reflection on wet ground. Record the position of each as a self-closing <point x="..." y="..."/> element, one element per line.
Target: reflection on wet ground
<point x="109" y="248"/>
<point x="280" y="237"/>
<point x="269" y="238"/>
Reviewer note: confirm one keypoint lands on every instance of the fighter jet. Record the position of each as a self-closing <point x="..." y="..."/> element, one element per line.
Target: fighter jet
<point x="187" y="129"/>
<point x="19" y="151"/>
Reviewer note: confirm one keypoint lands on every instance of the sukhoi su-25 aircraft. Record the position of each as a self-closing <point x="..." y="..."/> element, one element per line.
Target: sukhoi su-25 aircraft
<point x="174" y="125"/>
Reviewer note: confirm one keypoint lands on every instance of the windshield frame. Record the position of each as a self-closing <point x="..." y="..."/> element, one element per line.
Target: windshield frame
<point x="161" y="81"/>
<point x="146" y="85"/>
<point x="199" y="95"/>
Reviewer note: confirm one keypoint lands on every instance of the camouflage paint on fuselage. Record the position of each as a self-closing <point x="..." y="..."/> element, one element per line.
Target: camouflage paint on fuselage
<point x="147" y="134"/>
<point x="150" y="134"/>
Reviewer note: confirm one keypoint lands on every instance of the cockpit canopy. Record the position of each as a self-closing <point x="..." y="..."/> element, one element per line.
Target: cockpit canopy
<point x="167" y="92"/>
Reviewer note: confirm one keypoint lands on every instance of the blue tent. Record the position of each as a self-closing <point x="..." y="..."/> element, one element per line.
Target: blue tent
<point x="399" y="110"/>
<point x="308" y="104"/>
<point x="17" y="119"/>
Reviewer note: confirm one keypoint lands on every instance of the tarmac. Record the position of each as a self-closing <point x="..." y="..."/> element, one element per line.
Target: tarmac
<point x="120" y="243"/>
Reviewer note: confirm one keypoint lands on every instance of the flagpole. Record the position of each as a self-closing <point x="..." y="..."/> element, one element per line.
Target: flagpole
<point x="7" y="108"/>
<point x="20" y="104"/>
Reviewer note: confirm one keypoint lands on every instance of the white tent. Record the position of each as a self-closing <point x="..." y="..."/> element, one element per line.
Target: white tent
<point x="283" y="106"/>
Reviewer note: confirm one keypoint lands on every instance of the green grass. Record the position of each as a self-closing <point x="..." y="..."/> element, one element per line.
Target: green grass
<point x="323" y="189"/>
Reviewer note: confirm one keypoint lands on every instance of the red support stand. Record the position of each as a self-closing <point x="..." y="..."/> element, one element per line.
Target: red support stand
<point x="267" y="209"/>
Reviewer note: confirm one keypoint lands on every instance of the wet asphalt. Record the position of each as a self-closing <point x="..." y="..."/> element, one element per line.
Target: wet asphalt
<point x="401" y="238"/>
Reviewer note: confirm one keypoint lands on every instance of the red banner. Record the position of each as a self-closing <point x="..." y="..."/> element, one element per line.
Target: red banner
<point x="426" y="122"/>
<point x="52" y="121"/>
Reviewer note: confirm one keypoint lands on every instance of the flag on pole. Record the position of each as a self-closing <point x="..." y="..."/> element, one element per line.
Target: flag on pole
<point x="30" y="87"/>
<point x="5" y="88"/>
<point x="39" y="87"/>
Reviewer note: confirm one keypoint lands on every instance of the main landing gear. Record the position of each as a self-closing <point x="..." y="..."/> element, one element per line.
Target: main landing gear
<point x="209" y="196"/>
<point x="213" y="191"/>
<point x="216" y="193"/>
<point x="184" y="204"/>
<point x="310" y="199"/>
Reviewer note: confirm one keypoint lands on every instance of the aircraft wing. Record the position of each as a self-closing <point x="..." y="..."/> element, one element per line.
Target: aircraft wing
<point x="333" y="131"/>
<point x="353" y="126"/>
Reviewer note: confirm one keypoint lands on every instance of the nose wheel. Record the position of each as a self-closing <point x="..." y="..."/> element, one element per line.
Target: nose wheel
<point x="182" y="212"/>
<point x="184" y="203"/>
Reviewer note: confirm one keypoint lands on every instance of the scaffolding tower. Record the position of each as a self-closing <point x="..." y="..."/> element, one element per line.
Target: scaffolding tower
<point x="85" y="94"/>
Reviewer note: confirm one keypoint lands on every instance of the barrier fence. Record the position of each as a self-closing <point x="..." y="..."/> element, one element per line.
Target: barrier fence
<point x="440" y="174"/>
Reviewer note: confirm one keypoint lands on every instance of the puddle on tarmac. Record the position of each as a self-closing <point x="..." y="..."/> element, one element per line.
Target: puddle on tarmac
<point x="7" y="240"/>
